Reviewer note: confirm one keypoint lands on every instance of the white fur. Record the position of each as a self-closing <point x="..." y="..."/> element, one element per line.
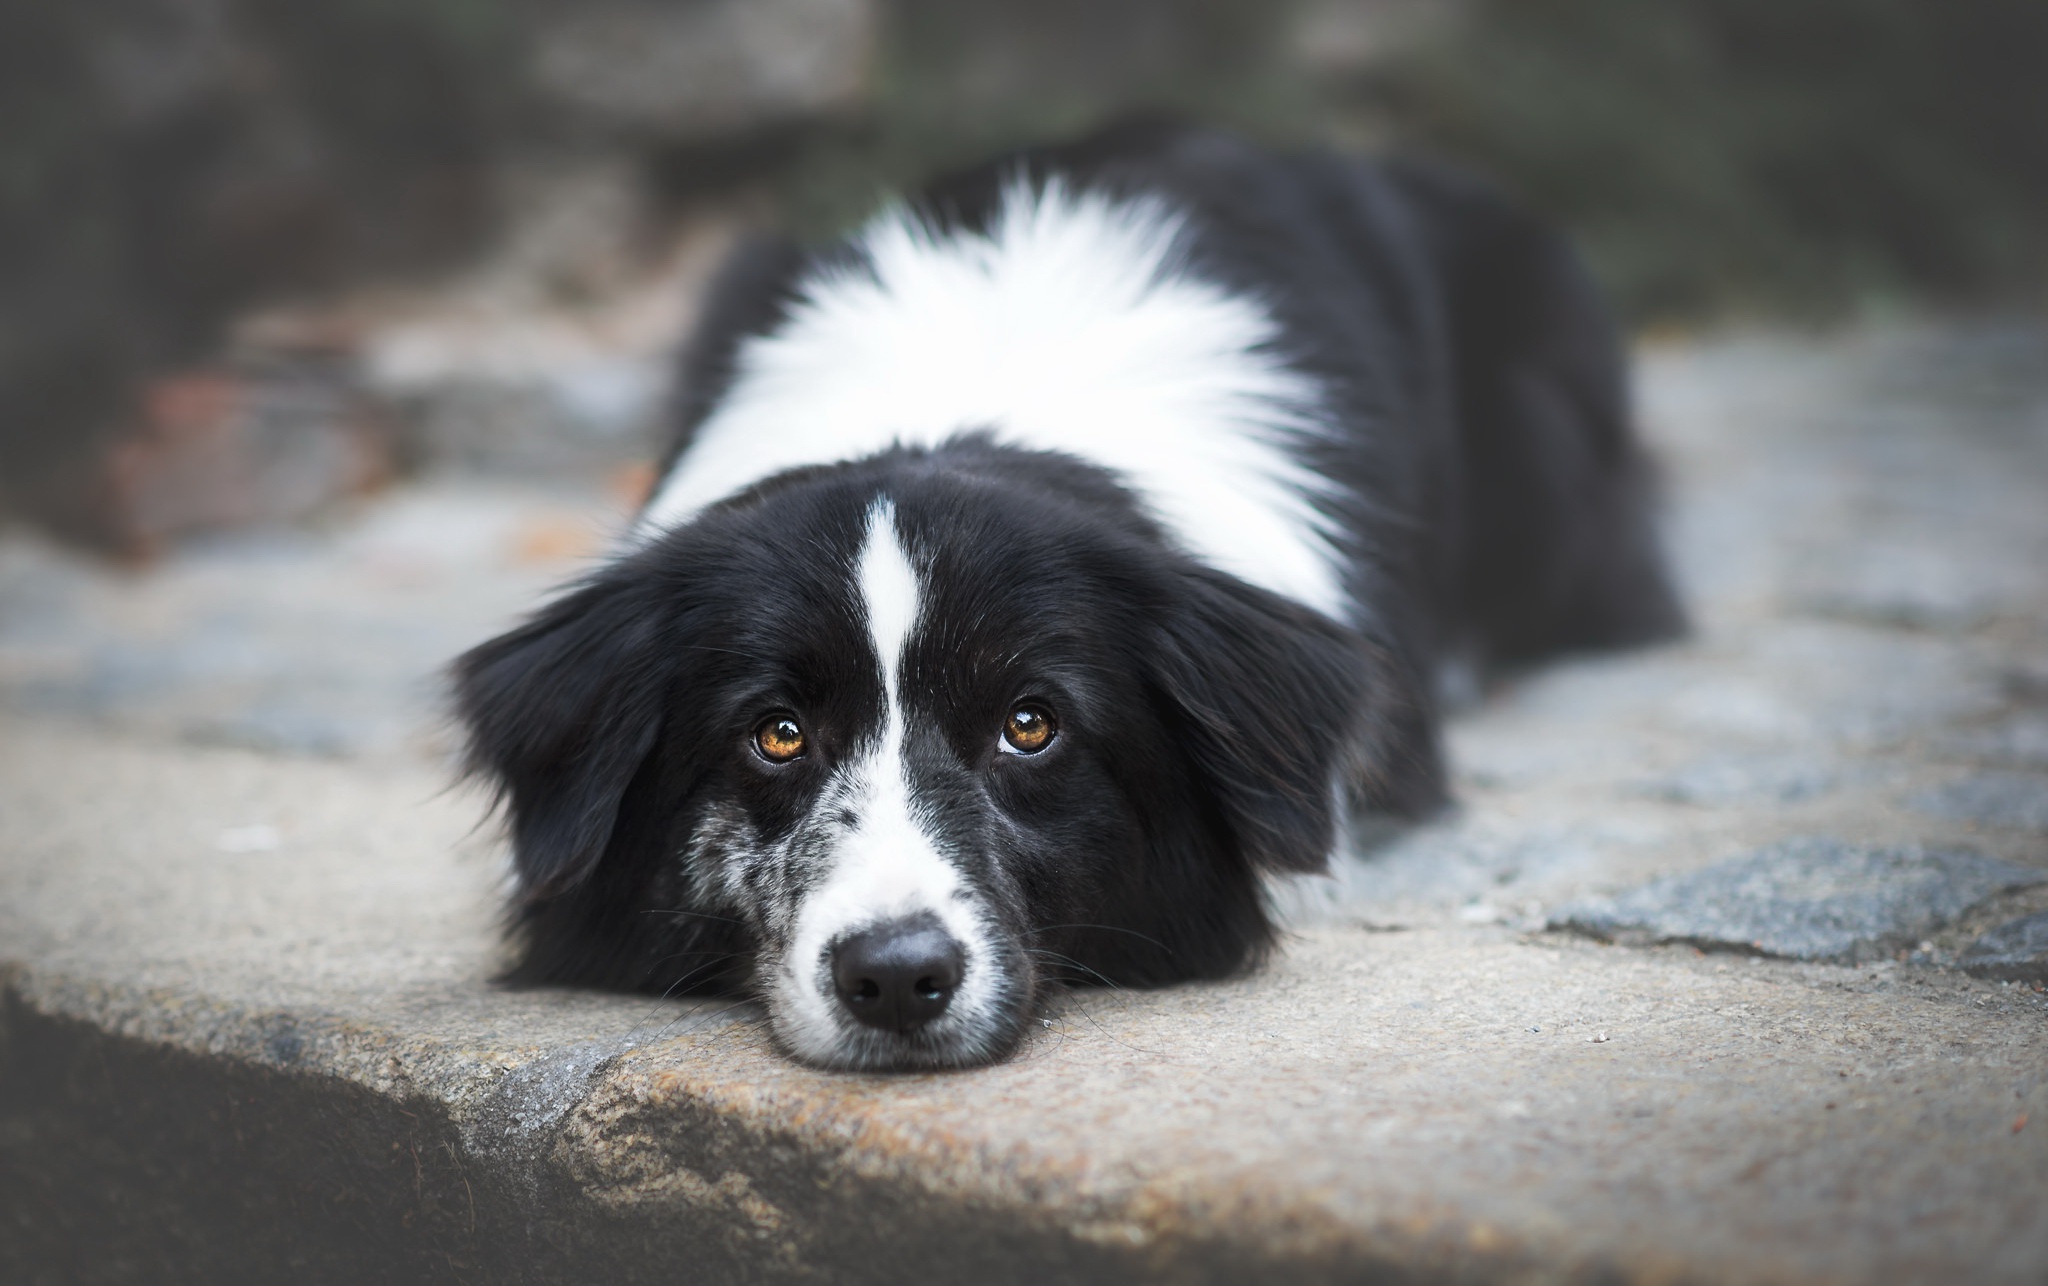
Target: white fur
<point x="1072" y="327"/>
<point x="886" y="866"/>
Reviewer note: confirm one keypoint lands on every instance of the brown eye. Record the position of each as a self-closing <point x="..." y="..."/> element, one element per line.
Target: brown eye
<point x="1028" y="730"/>
<point x="779" y="739"/>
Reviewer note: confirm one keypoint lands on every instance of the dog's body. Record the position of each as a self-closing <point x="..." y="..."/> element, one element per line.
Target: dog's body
<point x="1045" y="565"/>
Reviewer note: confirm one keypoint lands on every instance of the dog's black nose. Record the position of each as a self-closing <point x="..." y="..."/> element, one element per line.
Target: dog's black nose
<point x="899" y="975"/>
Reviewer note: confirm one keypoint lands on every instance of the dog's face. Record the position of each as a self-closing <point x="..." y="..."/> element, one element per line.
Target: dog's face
<point x="894" y="745"/>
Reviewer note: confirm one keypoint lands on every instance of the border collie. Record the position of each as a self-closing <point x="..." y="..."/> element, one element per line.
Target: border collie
<point x="1042" y="568"/>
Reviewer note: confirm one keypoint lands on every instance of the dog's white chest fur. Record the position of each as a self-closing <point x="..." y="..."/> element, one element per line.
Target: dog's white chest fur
<point x="1071" y="327"/>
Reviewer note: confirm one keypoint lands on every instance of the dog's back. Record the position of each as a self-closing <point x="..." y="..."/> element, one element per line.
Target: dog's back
<point x="1557" y="550"/>
<point x="1461" y="326"/>
<point x="1493" y="501"/>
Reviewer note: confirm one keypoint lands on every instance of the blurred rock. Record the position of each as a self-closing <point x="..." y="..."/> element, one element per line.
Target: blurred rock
<point x="553" y="351"/>
<point x="1745" y="778"/>
<point x="2016" y="950"/>
<point x="226" y="448"/>
<point x="170" y="163"/>
<point x="173" y="166"/>
<point x="2019" y="741"/>
<point x="557" y="350"/>
<point x="703" y="70"/>
<point x="1811" y="899"/>
<point x="324" y="644"/>
<point x="1337" y="38"/>
<point x="2007" y="800"/>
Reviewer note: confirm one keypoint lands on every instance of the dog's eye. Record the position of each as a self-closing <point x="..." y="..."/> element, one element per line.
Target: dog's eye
<point x="1028" y="730"/>
<point x="779" y="739"/>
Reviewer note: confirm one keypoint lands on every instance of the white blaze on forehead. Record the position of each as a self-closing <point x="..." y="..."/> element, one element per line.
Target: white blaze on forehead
<point x="1072" y="326"/>
<point x="886" y="865"/>
<point x="888" y="590"/>
<point x="889" y="865"/>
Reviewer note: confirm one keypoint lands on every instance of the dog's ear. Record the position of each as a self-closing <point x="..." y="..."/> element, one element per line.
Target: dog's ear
<point x="1273" y="699"/>
<point x="561" y="713"/>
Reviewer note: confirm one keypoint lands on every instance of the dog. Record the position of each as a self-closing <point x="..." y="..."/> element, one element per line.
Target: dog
<point x="1044" y="568"/>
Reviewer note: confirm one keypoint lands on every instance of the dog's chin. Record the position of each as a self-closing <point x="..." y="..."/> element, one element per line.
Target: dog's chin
<point x="861" y="1049"/>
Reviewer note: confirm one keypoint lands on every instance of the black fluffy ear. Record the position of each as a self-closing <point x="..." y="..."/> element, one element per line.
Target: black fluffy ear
<point x="561" y="714"/>
<point x="1279" y="705"/>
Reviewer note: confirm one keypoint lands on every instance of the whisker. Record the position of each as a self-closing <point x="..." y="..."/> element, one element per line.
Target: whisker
<point x="1106" y="928"/>
<point x="1100" y="977"/>
<point x="698" y="1019"/>
<point x="1096" y="1023"/>
<point x="680" y="914"/>
<point x="1117" y="991"/>
<point x="716" y="958"/>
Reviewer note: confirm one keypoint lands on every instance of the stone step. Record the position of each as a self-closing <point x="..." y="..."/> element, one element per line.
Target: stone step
<point x="249" y="1030"/>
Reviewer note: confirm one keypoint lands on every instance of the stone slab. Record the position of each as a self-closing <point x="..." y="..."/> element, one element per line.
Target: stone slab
<point x="1743" y="778"/>
<point x="2007" y="800"/>
<point x="2019" y="742"/>
<point x="1807" y="899"/>
<point x="311" y="1024"/>
<point x="246" y="935"/>
<point x="2016" y="950"/>
<point x="703" y="72"/>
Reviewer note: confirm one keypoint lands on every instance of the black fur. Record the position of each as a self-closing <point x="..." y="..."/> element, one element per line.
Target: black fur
<point x="1494" y="505"/>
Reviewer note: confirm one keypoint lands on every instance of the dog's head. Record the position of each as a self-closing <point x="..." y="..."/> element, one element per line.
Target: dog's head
<point x="894" y="744"/>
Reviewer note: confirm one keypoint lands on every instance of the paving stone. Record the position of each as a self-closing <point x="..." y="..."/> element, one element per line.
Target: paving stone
<point x="1721" y="780"/>
<point x="2016" y="950"/>
<point x="226" y="449"/>
<point x="284" y="642"/>
<point x="292" y="1047"/>
<point x="713" y="69"/>
<point x="301" y="729"/>
<point x="248" y="1032"/>
<point x="2020" y="741"/>
<point x="1812" y="899"/>
<point x="1477" y="869"/>
<point x="2007" y="800"/>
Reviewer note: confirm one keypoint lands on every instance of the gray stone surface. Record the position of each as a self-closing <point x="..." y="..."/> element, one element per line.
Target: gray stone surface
<point x="2020" y="741"/>
<point x="1811" y="899"/>
<point x="2010" y="800"/>
<point x="246" y="934"/>
<point x="297" y="643"/>
<point x="705" y="70"/>
<point x="2016" y="950"/>
<point x="1741" y="779"/>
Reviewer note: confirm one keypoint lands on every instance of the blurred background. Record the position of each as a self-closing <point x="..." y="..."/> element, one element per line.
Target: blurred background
<point x="258" y="257"/>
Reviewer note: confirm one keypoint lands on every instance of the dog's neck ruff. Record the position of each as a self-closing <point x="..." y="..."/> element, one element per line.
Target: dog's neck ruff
<point x="1073" y="326"/>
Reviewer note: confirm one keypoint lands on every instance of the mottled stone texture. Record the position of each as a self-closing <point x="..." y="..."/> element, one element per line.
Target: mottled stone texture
<point x="2007" y="800"/>
<point x="2017" y="950"/>
<point x="705" y="71"/>
<point x="1812" y="899"/>
<point x="173" y="170"/>
<point x="247" y="1031"/>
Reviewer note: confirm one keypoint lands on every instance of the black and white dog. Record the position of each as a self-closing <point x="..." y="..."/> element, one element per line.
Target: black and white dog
<point x="1045" y="566"/>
